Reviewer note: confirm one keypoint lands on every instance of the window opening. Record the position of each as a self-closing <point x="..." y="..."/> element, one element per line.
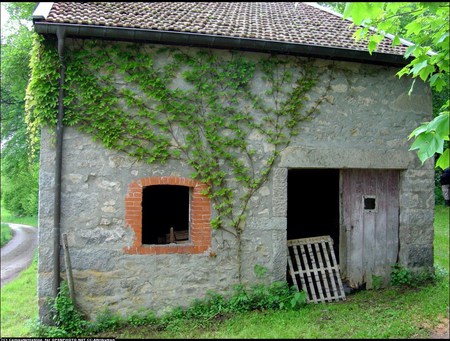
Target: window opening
<point x="370" y="203"/>
<point x="165" y="214"/>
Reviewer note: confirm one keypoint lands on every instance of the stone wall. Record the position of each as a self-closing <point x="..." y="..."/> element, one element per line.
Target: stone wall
<point x="364" y="124"/>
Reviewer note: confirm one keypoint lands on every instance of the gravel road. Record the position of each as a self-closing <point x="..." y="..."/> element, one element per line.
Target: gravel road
<point x="18" y="254"/>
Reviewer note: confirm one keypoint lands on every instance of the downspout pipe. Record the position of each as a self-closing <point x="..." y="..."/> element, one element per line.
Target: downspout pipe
<point x="61" y="35"/>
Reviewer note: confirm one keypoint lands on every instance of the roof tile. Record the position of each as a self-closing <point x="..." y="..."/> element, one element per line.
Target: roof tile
<point x="274" y="21"/>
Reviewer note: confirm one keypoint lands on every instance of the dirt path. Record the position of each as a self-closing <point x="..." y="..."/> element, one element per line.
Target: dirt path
<point x="18" y="254"/>
<point x="442" y="330"/>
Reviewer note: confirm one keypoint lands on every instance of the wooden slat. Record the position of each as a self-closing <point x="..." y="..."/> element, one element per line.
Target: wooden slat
<point x="323" y="270"/>
<point x="310" y="287"/>
<point x="292" y="271"/>
<point x="299" y="268"/>
<point x="316" y="274"/>
<point x="330" y="269"/>
<point x="315" y="271"/>
<point x="336" y="272"/>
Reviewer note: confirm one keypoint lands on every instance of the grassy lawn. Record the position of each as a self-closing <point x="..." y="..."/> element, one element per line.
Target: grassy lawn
<point x="7" y="217"/>
<point x="386" y="313"/>
<point x="441" y="237"/>
<point x="19" y="304"/>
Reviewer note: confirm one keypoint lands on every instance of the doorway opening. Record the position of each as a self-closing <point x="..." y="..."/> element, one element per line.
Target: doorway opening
<point x="313" y="205"/>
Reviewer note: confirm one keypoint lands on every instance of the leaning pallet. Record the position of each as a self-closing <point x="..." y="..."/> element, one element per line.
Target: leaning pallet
<point x="313" y="268"/>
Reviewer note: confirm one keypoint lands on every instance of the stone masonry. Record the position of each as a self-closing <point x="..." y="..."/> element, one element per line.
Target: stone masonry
<point x="364" y="124"/>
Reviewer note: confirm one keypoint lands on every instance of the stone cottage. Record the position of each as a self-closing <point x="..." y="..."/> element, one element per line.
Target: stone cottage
<point x="195" y="139"/>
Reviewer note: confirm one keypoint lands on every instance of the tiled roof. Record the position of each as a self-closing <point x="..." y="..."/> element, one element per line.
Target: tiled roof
<point x="273" y="21"/>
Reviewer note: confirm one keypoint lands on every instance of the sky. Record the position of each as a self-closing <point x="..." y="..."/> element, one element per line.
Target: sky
<point x="4" y="21"/>
<point x="4" y="18"/>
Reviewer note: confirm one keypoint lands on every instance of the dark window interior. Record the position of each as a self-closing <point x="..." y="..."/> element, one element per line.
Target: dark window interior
<point x="369" y="203"/>
<point x="313" y="204"/>
<point x="163" y="207"/>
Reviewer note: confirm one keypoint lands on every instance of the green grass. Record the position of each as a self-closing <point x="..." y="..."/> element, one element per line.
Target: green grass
<point x="6" y="234"/>
<point x="7" y="217"/>
<point x="19" y="303"/>
<point x="388" y="313"/>
<point x="393" y="313"/>
<point x="441" y="236"/>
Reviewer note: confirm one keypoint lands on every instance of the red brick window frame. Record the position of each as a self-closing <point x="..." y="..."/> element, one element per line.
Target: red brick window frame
<point x="200" y="212"/>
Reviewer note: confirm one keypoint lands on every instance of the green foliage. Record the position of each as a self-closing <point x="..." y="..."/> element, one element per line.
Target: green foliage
<point x="276" y="296"/>
<point x="5" y="234"/>
<point x="198" y="107"/>
<point x="6" y="216"/>
<point x="19" y="192"/>
<point x="42" y="90"/>
<point x="69" y="322"/>
<point x="67" y="319"/>
<point x="377" y="282"/>
<point x="349" y="319"/>
<point x="260" y="271"/>
<point x="401" y="276"/>
<point x="142" y="318"/>
<point x="18" y="161"/>
<point x="428" y="28"/>
<point x="438" y="197"/>
<point x="19" y="12"/>
<point x="106" y="320"/>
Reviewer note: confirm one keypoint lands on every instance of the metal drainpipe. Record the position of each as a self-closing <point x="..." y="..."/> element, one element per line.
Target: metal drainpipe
<point x="60" y="33"/>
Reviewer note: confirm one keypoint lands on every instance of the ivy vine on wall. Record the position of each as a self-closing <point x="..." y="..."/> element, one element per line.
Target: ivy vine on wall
<point x="226" y="114"/>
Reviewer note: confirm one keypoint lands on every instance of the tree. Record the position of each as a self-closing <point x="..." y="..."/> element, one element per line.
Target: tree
<point x="19" y="163"/>
<point x="428" y="29"/>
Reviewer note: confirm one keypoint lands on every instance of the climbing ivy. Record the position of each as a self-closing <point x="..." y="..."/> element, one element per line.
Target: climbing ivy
<point x="226" y="114"/>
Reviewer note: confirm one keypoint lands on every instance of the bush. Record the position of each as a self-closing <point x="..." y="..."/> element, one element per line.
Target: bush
<point x="20" y="192"/>
<point x="401" y="276"/>
<point x="438" y="197"/>
<point x="6" y="234"/>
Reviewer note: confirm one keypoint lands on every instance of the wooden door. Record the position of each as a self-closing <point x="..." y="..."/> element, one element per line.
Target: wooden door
<point x="370" y="218"/>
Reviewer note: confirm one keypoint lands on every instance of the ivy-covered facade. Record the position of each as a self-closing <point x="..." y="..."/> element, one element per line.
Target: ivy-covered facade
<point x="237" y="152"/>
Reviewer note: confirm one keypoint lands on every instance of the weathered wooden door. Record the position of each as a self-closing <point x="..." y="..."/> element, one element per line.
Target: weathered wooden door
<point x="370" y="217"/>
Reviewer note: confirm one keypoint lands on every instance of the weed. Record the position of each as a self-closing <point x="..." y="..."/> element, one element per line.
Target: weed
<point x="67" y="319"/>
<point x="377" y="282"/>
<point x="106" y="320"/>
<point x="260" y="271"/>
<point x="141" y="319"/>
<point x="70" y="322"/>
<point x="401" y="276"/>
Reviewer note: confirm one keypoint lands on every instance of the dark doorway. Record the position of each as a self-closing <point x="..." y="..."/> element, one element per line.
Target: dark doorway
<point x="163" y="207"/>
<point x="313" y="204"/>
